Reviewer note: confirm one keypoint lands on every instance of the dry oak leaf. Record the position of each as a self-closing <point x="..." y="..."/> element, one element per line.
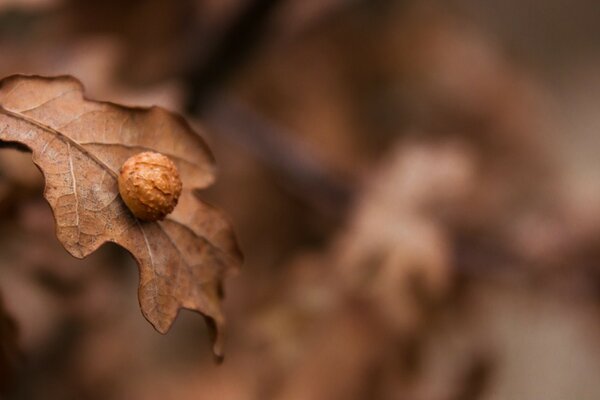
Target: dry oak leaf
<point x="80" y="145"/>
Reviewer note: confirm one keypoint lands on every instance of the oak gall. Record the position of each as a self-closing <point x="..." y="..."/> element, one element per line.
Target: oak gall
<point x="150" y="185"/>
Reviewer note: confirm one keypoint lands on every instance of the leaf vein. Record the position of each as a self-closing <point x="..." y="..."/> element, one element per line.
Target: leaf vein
<point x="47" y="101"/>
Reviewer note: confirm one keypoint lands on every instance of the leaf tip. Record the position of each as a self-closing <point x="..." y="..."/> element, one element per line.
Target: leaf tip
<point x="162" y="327"/>
<point x="215" y="331"/>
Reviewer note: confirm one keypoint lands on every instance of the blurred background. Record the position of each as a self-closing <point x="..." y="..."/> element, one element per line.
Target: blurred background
<point x="415" y="186"/>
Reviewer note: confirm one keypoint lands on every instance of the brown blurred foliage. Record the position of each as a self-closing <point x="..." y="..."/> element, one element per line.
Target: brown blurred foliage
<point x="414" y="185"/>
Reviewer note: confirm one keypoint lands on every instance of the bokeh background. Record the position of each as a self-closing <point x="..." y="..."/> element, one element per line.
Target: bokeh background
<point x="415" y="186"/>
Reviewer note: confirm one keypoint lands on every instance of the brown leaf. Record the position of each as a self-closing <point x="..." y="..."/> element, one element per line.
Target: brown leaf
<point x="80" y="145"/>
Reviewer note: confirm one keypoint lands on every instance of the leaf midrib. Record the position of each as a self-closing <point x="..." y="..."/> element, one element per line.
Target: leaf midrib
<point x="62" y="137"/>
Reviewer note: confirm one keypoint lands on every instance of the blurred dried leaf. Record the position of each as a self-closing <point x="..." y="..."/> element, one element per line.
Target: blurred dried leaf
<point x="396" y="249"/>
<point x="80" y="145"/>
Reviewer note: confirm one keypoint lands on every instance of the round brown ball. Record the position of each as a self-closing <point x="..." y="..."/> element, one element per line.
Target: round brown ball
<point x="150" y="185"/>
